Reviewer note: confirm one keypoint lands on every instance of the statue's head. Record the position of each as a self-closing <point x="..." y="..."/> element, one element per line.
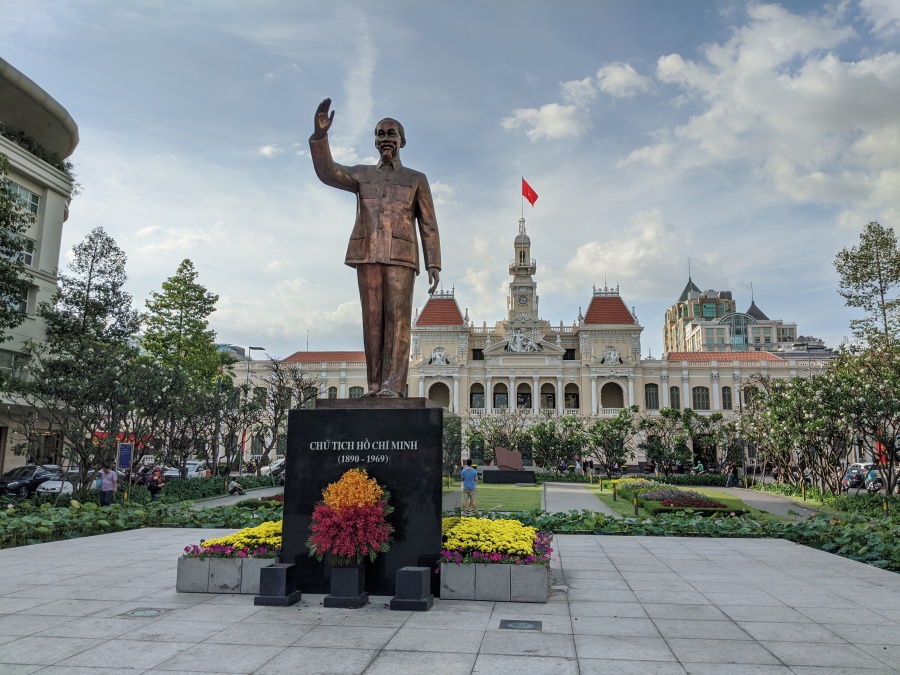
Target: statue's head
<point x="389" y="137"/>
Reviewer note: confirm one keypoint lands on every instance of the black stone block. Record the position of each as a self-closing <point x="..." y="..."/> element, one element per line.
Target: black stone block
<point x="413" y="590"/>
<point x="507" y="477"/>
<point x="412" y="583"/>
<point x="348" y="588"/>
<point x="277" y="585"/>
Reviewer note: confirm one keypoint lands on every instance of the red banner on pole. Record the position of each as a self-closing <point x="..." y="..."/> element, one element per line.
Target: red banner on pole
<point x="528" y="193"/>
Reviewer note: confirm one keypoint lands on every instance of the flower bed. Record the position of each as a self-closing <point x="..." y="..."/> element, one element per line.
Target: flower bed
<point x="499" y="560"/>
<point x="229" y="564"/>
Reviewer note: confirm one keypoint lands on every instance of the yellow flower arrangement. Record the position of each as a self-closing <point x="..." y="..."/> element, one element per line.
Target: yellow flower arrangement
<point x="262" y="541"/>
<point x="508" y="537"/>
<point x="267" y="534"/>
<point x="355" y="488"/>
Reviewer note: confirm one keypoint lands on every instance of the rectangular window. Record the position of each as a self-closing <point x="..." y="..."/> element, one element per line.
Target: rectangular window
<point x="651" y="396"/>
<point x="726" y="398"/>
<point x="25" y="198"/>
<point x="523" y="400"/>
<point x="569" y="355"/>
<point x="548" y="401"/>
<point x="768" y="340"/>
<point x="356" y="392"/>
<point x="478" y="355"/>
<point x="674" y="398"/>
<point x="476" y="400"/>
<point x="709" y="310"/>
<point x="501" y="400"/>
<point x="19" y="303"/>
<point x="700" y="398"/>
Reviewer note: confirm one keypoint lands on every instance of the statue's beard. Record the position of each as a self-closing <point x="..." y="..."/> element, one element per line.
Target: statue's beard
<point x="387" y="153"/>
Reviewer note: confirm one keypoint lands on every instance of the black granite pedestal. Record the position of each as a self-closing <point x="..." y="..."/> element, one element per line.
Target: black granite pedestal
<point x="398" y="442"/>
<point x="507" y="477"/>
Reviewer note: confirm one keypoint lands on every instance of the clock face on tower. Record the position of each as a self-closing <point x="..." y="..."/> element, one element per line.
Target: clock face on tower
<point x="523" y="300"/>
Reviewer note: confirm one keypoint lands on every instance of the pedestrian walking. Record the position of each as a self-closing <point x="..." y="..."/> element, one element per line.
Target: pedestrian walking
<point x="469" y="478"/>
<point x="108" y="484"/>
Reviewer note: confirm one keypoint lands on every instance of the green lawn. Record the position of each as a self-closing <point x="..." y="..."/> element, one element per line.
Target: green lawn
<point x="503" y="497"/>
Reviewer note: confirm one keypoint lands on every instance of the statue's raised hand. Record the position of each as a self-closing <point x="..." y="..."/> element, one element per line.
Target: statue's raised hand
<point x="323" y="120"/>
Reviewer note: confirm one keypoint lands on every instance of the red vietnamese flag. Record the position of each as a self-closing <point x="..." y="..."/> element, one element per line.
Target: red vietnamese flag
<point x="528" y="193"/>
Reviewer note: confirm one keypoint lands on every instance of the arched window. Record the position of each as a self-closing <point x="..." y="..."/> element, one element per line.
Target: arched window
<point x="674" y="398"/>
<point x="521" y="257"/>
<point x="356" y="392"/>
<point x="726" y="398"/>
<point x="332" y="392"/>
<point x="651" y="396"/>
<point x="700" y="398"/>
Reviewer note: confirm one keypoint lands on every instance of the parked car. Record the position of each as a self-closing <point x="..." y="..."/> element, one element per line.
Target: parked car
<point x="23" y="481"/>
<point x="196" y="468"/>
<point x="853" y="481"/>
<point x="273" y="469"/>
<point x="55" y="487"/>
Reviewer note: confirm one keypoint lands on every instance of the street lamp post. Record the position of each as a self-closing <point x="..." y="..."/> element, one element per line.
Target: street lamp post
<point x="250" y="351"/>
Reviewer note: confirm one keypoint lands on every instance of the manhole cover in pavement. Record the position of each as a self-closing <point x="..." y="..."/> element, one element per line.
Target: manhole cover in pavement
<point x="145" y="612"/>
<point x="508" y="624"/>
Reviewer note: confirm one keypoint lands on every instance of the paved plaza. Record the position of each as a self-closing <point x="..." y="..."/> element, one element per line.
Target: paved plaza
<point x="619" y="605"/>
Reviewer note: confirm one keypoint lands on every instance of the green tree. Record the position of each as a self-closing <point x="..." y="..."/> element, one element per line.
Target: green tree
<point x="82" y="376"/>
<point x="666" y="440"/>
<point x="610" y="439"/>
<point x="452" y="444"/>
<point x="502" y="429"/>
<point x="556" y="439"/>
<point x="178" y="336"/>
<point x="15" y="220"/>
<point x="870" y="278"/>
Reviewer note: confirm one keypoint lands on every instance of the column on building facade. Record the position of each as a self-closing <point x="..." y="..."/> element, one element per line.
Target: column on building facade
<point x="560" y="396"/>
<point x="488" y="395"/>
<point x="343" y="383"/>
<point x="717" y="400"/>
<point x="687" y="396"/>
<point x="421" y="386"/>
<point x="511" y="402"/>
<point x="594" y="409"/>
<point x="665" y="390"/>
<point x="535" y="397"/>
<point x="630" y="390"/>
<point x="456" y="393"/>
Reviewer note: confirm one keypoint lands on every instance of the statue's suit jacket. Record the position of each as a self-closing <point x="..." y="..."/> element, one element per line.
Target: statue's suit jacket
<point x="389" y="201"/>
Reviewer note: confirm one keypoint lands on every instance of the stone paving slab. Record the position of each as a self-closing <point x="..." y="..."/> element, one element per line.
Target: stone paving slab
<point x="621" y="604"/>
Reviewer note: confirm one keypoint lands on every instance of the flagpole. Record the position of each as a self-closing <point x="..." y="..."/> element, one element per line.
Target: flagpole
<point x="523" y="198"/>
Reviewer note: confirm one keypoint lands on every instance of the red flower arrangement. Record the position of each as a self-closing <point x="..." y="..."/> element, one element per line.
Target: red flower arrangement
<point x="350" y="523"/>
<point x="693" y="503"/>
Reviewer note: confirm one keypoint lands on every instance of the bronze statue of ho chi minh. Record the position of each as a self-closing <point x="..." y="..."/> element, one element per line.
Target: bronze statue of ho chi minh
<point x="383" y="247"/>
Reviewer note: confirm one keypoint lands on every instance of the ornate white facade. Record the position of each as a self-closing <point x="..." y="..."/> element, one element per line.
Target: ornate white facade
<point x="590" y="368"/>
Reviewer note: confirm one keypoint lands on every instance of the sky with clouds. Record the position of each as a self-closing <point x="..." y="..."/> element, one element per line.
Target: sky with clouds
<point x="752" y="139"/>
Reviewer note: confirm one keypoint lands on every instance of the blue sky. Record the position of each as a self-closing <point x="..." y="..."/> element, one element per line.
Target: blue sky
<point x="754" y="139"/>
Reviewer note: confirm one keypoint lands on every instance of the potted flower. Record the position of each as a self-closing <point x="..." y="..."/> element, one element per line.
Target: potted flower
<point x="499" y="560"/>
<point x="350" y="525"/>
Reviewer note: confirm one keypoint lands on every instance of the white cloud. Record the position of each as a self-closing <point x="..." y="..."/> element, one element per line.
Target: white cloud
<point x="639" y="257"/>
<point x="442" y="194"/>
<point x="270" y="150"/>
<point x="654" y="155"/>
<point x="578" y="92"/>
<point x="621" y="80"/>
<point x="551" y="121"/>
<point x="884" y="15"/>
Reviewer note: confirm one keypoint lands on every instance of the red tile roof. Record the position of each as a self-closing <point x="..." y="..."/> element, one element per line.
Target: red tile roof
<point x="331" y="357"/>
<point x="440" y="312"/>
<point x="608" y="309"/>
<point x="721" y="357"/>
